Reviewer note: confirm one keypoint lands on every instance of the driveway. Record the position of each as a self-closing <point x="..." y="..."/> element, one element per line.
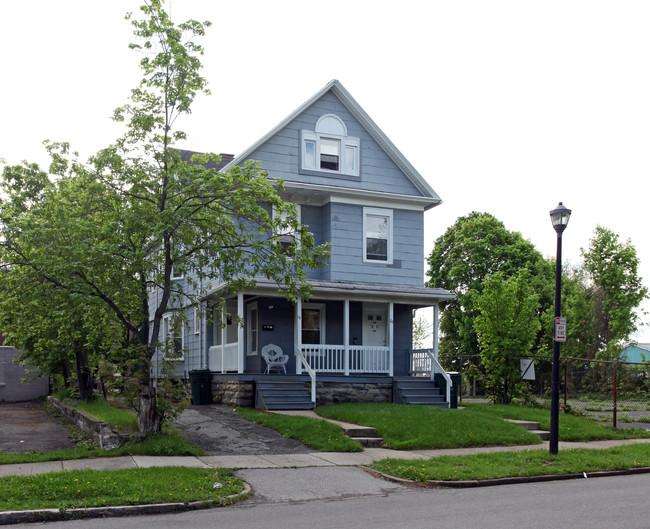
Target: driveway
<point x="219" y="430"/>
<point x="27" y="427"/>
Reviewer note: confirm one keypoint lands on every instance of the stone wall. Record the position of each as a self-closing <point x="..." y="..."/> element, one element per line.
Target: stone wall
<point x="337" y="392"/>
<point x="233" y="393"/>
<point x="100" y="432"/>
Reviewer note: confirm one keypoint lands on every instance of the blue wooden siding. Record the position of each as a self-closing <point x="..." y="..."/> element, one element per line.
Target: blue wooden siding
<point x="347" y="251"/>
<point x="280" y="155"/>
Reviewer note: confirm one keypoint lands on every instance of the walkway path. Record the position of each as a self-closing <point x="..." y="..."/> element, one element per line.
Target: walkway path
<point x="312" y="459"/>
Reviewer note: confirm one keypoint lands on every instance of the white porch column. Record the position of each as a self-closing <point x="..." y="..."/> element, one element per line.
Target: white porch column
<point x="391" y="351"/>
<point x="240" y="332"/>
<point x="346" y="336"/>
<point x="297" y="329"/>
<point x="435" y="331"/>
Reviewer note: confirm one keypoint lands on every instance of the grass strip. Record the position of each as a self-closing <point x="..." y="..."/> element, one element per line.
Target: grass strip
<point x="417" y="427"/>
<point x="315" y="433"/>
<point x="510" y="464"/>
<point x="119" y="418"/>
<point x="166" y="444"/>
<point x="138" y="486"/>
<point x="571" y="427"/>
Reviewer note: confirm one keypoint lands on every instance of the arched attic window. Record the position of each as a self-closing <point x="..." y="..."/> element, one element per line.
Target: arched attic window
<point x="329" y="149"/>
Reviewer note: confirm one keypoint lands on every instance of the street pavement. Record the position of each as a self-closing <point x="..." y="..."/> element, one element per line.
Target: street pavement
<point x="264" y="460"/>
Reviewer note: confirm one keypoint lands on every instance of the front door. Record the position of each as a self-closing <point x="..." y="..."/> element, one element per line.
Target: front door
<point x="374" y="326"/>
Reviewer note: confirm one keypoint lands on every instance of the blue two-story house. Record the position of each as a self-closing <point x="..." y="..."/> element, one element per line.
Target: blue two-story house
<point x="352" y="340"/>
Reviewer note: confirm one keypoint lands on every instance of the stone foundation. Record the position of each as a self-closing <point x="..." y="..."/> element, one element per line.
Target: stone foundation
<point x="233" y="393"/>
<point x="338" y="392"/>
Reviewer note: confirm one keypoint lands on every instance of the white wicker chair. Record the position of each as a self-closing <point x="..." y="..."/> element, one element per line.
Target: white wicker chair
<point x="274" y="357"/>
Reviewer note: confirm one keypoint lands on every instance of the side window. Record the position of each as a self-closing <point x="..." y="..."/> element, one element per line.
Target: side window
<point x="197" y="320"/>
<point x="328" y="148"/>
<point x="377" y="235"/>
<point x="286" y="236"/>
<point x="173" y="336"/>
<point x="252" y="329"/>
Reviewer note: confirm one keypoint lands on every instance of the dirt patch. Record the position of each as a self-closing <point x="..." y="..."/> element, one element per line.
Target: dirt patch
<point x="219" y="430"/>
<point x="28" y="427"/>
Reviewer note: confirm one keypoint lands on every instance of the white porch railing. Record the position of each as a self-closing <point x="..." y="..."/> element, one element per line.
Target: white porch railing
<point x="358" y="359"/>
<point x="424" y="362"/>
<point x="223" y="358"/>
<point x="302" y="361"/>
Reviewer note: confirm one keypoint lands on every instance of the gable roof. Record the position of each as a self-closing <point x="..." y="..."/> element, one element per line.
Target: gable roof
<point x="364" y="119"/>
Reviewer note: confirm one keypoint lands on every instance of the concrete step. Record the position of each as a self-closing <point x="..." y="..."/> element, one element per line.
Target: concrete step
<point x="532" y="427"/>
<point x="283" y="405"/>
<point x="369" y="442"/>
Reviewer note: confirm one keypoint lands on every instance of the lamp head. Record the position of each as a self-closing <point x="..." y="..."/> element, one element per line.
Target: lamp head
<point x="560" y="217"/>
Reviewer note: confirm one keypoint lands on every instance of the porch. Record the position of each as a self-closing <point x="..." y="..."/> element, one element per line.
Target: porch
<point x="345" y="333"/>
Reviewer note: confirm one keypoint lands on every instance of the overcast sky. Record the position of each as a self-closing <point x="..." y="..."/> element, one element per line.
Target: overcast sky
<point x="506" y="107"/>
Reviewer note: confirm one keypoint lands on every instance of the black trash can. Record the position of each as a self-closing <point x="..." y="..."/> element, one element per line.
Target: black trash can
<point x="201" y="384"/>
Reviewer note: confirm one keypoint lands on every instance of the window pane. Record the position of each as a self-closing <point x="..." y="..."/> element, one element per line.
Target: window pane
<point x="311" y="337"/>
<point x="377" y="226"/>
<point x="310" y="154"/>
<point x="329" y="154"/>
<point x="376" y="249"/>
<point x="350" y="164"/>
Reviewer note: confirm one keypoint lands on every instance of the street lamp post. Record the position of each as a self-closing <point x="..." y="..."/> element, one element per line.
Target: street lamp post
<point x="560" y="218"/>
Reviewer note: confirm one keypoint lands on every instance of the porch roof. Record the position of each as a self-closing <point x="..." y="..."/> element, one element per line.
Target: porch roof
<point x="376" y="292"/>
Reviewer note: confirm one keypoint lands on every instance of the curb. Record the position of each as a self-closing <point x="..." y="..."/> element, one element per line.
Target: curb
<point x="51" y="515"/>
<point x="473" y="483"/>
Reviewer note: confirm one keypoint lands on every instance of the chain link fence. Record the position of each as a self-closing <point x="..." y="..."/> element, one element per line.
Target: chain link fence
<point x="611" y="392"/>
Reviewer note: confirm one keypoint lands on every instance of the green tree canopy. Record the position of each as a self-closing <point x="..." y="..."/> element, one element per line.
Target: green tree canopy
<point x="475" y="247"/>
<point x="115" y="228"/>
<point x="614" y="289"/>
<point x="507" y="325"/>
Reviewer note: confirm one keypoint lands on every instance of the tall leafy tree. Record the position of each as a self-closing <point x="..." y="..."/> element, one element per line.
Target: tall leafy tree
<point x="614" y="290"/>
<point x="136" y="214"/>
<point x="507" y="325"/>
<point x="476" y="246"/>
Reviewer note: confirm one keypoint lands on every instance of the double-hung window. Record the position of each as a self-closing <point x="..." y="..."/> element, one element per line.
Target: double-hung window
<point x="286" y="234"/>
<point x="378" y="235"/>
<point x="329" y="149"/>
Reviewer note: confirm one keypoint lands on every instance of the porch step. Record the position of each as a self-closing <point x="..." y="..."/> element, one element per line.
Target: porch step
<point x="532" y="427"/>
<point x="419" y="390"/>
<point x="279" y="395"/>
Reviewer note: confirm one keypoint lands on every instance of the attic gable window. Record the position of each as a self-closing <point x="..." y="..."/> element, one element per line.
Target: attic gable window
<point x="329" y="149"/>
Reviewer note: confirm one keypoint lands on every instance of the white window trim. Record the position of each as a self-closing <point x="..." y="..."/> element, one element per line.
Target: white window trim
<point x="345" y="142"/>
<point x="378" y="212"/>
<point x="197" y="320"/>
<point x="167" y="322"/>
<point x="249" y="309"/>
<point x="322" y="319"/>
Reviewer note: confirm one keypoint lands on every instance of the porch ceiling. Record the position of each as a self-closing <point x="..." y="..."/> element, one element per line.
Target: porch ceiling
<point x="360" y="292"/>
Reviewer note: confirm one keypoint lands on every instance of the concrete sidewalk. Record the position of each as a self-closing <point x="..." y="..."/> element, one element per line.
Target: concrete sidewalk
<point x="313" y="459"/>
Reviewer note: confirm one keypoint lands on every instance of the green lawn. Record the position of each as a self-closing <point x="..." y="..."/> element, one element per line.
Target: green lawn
<point x="416" y="427"/>
<point x="316" y="433"/>
<point x="121" y="419"/>
<point x="571" y="427"/>
<point x="91" y="488"/>
<point x="509" y="464"/>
